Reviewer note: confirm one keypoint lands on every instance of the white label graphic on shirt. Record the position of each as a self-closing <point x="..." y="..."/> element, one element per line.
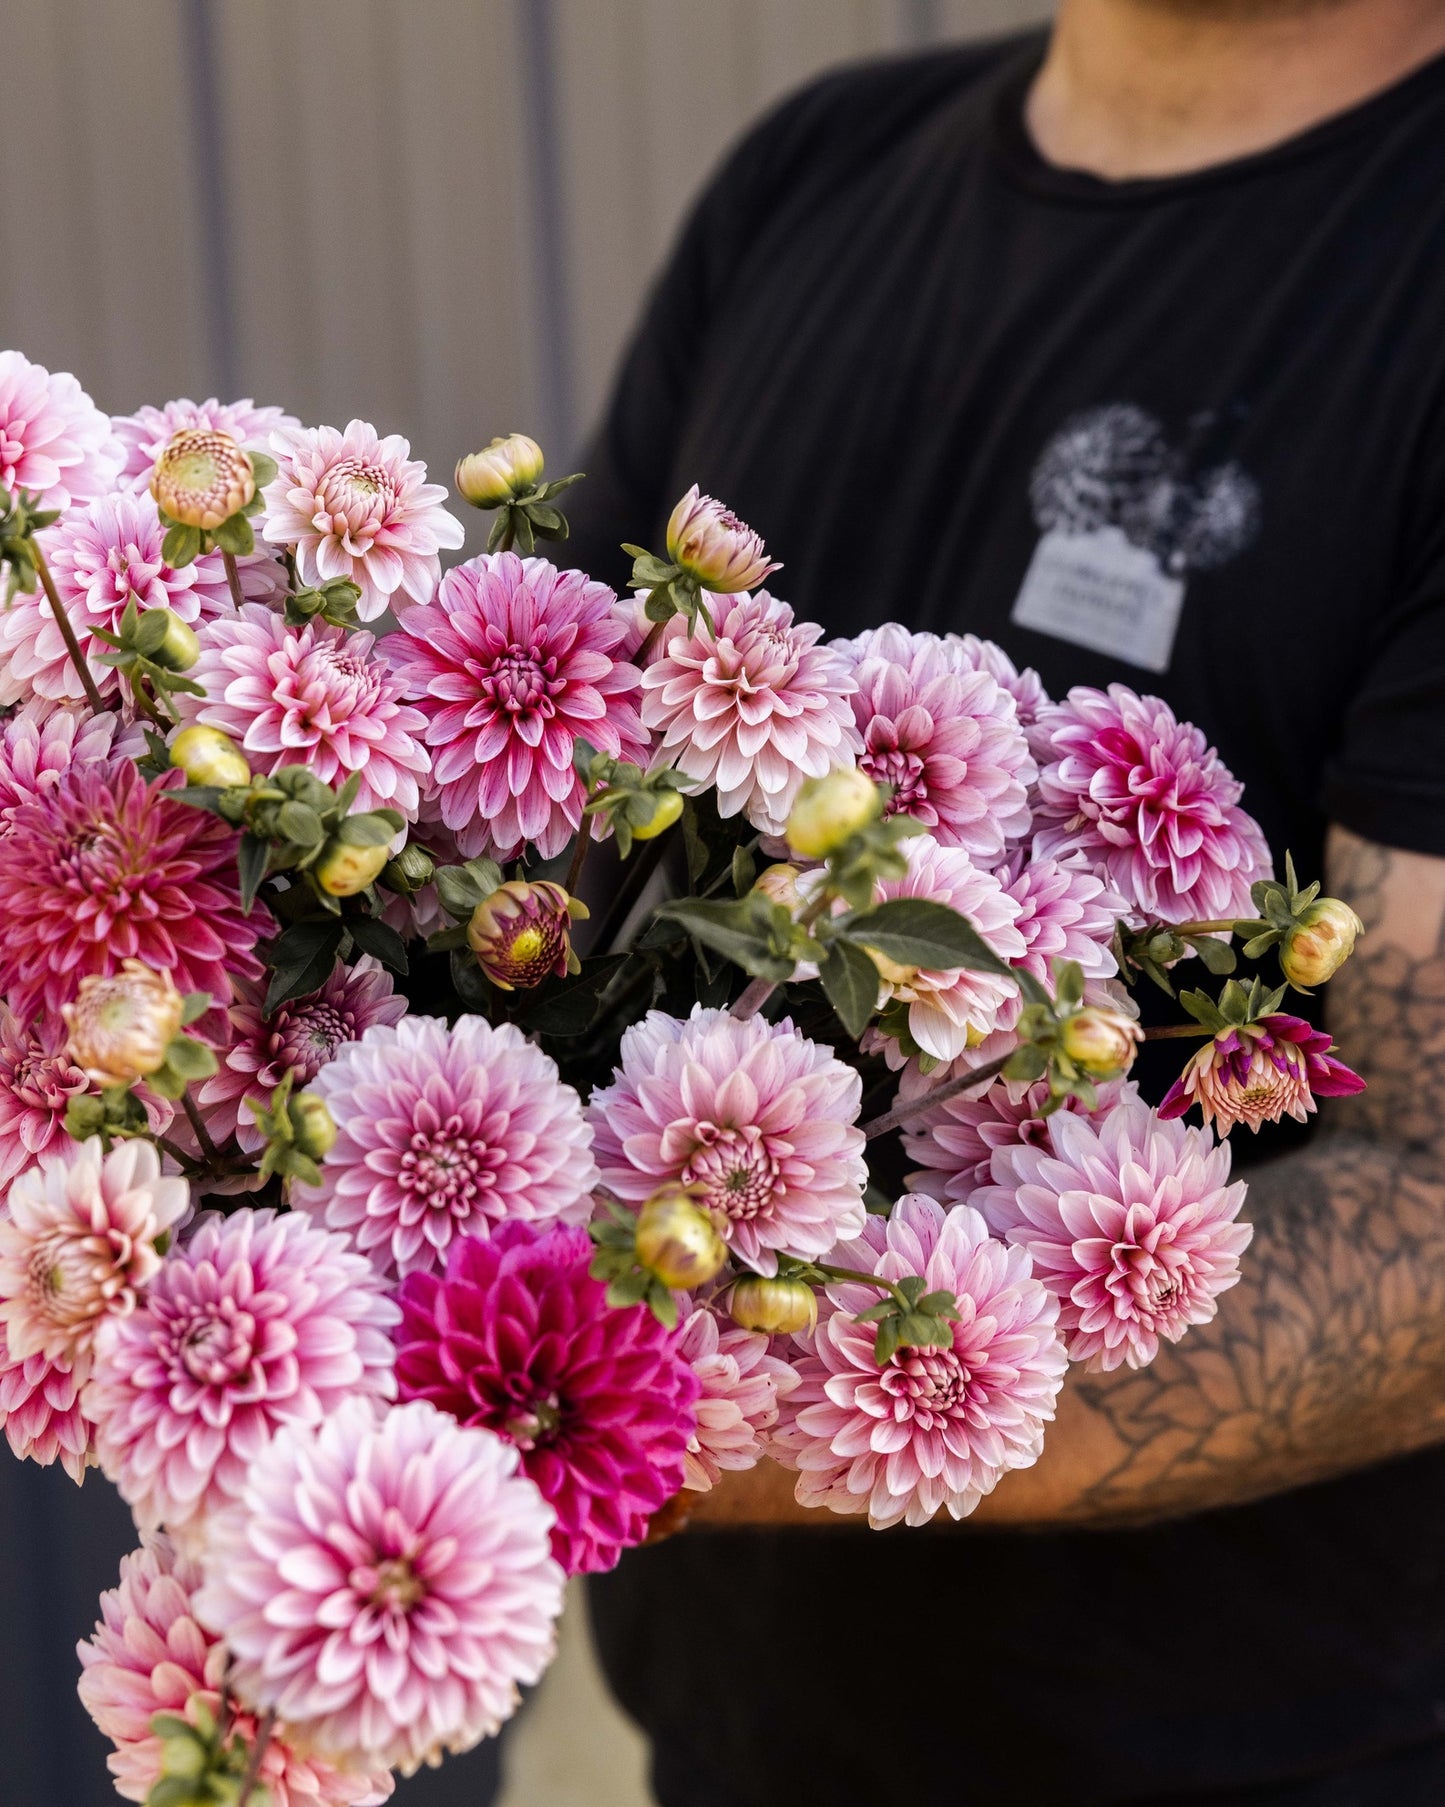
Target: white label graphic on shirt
<point x="1125" y="518"/>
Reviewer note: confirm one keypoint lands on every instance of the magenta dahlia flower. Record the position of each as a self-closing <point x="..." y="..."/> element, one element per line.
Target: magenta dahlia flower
<point x="1130" y="1221"/>
<point x="930" y="1429"/>
<point x="954" y="1143"/>
<point x="513" y="664"/>
<point x="519" y="1339"/>
<point x="54" y="441"/>
<point x="1259" y="1073"/>
<point x="150" y="1654"/>
<point x="103" y="867"/>
<point x="1149" y="805"/>
<point x="742" y="1383"/>
<point x="146" y="433"/>
<point x="946" y="739"/>
<point x="1066" y="912"/>
<point x="761" y="1119"/>
<point x="40" y="1411"/>
<point x="385" y="1583"/>
<point x="38" y="1079"/>
<point x="255" y="1321"/>
<point x="444" y="1133"/>
<point x="315" y="696"/>
<point x="753" y="710"/>
<point x="42" y="740"/>
<point x="357" y="506"/>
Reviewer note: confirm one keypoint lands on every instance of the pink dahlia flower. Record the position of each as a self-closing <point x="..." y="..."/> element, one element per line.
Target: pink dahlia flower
<point x="947" y="740"/>
<point x="299" y="1038"/>
<point x="38" y="1079"/>
<point x="714" y="546"/>
<point x="742" y="1384"/>
<point x="150" y="1654"/>
<point x="315" y="696"/>
<point x="519" y="1339"/>
<point x="78" y="1245"/>
<point x="1130" y="1220"/>
<point x="512" y="665"/>
<point x="1148" y="804"/>
<point x="42" y="740"/>
<point x="357" y="506"/>
<point x="40" y="1411"/>
<point x="751" y="1112"/>
<point x="931" y="1429"/>
<point x="1026" y="687"/>
<point x="385" y="1583"/>
<point x="754" y="710"/>
<point x="255" y="1321"/>
<point x="1066" y="912"/>
<point x="146" y="433"/>
<point x="103" y="867"/>
<point x="443" y="1133"/>
<point x="1257" y="1074"/>
<point x="54" y="441"/>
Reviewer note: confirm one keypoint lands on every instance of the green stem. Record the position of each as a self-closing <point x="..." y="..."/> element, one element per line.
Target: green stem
<point x="579" y="856"/>
<point x="941" y="1094"/>
<point x="1201" y="928"/>
<point x="727" y="871"/>
<point x="855" y="1275"/>
<point x="634" y="883"/>
<point x="752" y="999"/>
<point x="1168" y="1031"/>
<point x="203" y="1136"/>
<point x="257" y="1757"/>
<point x="654" y="634"/>
<point x="67" y="632"/>
<point x="233" y="578"/>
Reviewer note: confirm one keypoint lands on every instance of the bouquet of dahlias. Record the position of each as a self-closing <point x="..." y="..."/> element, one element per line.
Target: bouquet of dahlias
<point x="481" y="1057"/>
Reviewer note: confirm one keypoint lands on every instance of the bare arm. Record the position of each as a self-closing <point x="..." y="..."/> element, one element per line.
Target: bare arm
<point x="1330" y="1353"/>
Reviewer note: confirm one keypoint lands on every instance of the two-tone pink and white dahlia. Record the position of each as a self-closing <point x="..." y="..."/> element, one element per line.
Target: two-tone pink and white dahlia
<point x="54" y="441"/>
<point x="149" y="1654"/>
<point x="42" y="740"/>
<point x="146" y="433"/>
<point x="742" y="1384"/>
<point x="760" y="1119"/>
<point x="518" y="1338"/>
<point x="316" y="696"/>
<point x="385" y="1583"/>
<point x="1026" y="687"/>
<point x="1256" y="1073"/>
<point x="755" y="709"/>
<point x="1148" y="803"/>
<point x="1066" y="912"/>
<point x="1129" y="1220"/>
<point x="357" y="506"/>
<point x="255" y="1321"/>
<point x="444" y="1133"/>
<point x="103" y="867"/>
<point x="931" y="1429"/>
<point x="38" y="1079"/>
<point x="513" y="664"/>
<point x="40" y="1411"/>
<point x="945" y="738"/>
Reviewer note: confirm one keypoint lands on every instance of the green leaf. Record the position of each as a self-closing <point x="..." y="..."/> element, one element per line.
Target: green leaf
<point x="444" y="941"/>
<point x="549" y="522"/>
<point x="194" y="1006"/>
<point x="461" y="888"/>
<point x="745" y="868"/>
<point x="850" y="980"/>
<point x="1027" y="1063"/>
<point x="251" y="858"/>
<point x="189" y="1060"/>
<point x="1218" y="956"/>
<point x="917" y="931"/>
<point x="742" y="930"/>
<point x="660" y="605"/>
<point x="302" y="956"/>
<point x="374" y="829"/>
<point x="171" y="1725"/>
<point x="264" y="467"/>
<point x="1068" y="982"/>
<point x="694" y="846"/>
<point x="235" y="536"/>
<point x="181" y="546"/>
<point x="300" y="824"/>
<point x="570" y="1006"/>
<point x="630" y="1288"/>
<point x="380" y="940"/>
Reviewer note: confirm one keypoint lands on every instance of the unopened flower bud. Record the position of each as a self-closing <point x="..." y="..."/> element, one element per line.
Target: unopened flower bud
<point x="178" y="648"/>
<point x="522" y="932"/>
<point x="409" y="870"/>
<point x="121" y="1026"/>
<point x="207" y="756"/>
<point x="892" y="972"/>
<point x="712" y="545"/>
<point x="776" y="1307"/>
<point x="202" y="478"/>
<point x="343" y="870"/>
<point x="1100" y="1042"/>
<point x="779" y="884"/>
<point x="1319" y="943"/>
<point x="312" y="1125"/>
<point x="510" y="467"/>
<point x="676" y="1240"/>
<point x="831" y="810"/>
<point x="667" y="807"/>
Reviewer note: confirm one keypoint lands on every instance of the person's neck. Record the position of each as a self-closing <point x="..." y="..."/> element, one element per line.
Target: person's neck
<point x="1133" y="88"/>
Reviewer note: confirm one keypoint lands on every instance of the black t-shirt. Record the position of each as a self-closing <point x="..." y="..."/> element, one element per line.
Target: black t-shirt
<point x="1185" y="434"/>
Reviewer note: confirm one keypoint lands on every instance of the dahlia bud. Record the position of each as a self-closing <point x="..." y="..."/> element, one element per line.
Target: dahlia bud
<point x="831" y="810"/>
<point x="510" y="467"/>
<point x="522" y="932"/>
<point x="666" y="808"/>
<point x="779" y="884"/>
<point x="1099" y="1041"/>
<point x="343" y="869"/>
<point x="202" y="478"/>
<point x="713" y="546"/>
<point x="313" y="1127"/>
<point x="676" y="1240"/>
<point x="892" y="972"/>
<point x="409" y="870"/>
<point x="1319" y="944"/>
<point x="121" y="1026"/>
<point x="177" y="648"/>
<point x="207" y="756"/>
<point x="776" y="1307"/>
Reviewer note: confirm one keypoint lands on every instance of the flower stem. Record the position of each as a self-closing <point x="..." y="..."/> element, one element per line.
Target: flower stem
<point x="233" y="578"/>
<point x="67" y="632"/>
<point x="654" y="634"/>
<point x="925" y="1101"/>
<point x="258" y="1756"/>
<point x="634" y="883"/>
<point x="857" y="1276"/>
<point x="579" y="856"/>
<point x="1168" y="1031"/>
<point x="203" y="1135"/>
<point x="756" y="994"/>
<point x="1202" y="928"/>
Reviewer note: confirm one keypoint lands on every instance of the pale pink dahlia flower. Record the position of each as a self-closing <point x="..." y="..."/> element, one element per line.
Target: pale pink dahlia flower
<point x="931" y="1429"/>
<point x="742" y="1383"/>
<point x="385" y="1583"/>
<point x="443" y="1133"/>
<point x="146" y="433"/>
<point x="947" y="740"/>
<point x="41" y="740"/>
<point x="954" y="1143"/>
<point x="54" y="441"/>
<point x="315" y="696"/>
<point x="104" y="867"/>
<point x="757" y="1116"/>
<point x="1066" y="912"/>
<point x="513" y="664"/>
<point x="40" y="1411"/>
<point x="1026" y="687"/>
<point x="1148" y="803"/>
<point x="255" y="1321"/>
<point x="357" y="506"/>
<point x="1259" y="1073"/>
<point x="150" y="1654"/>
<point x="1130" y="1220"/>
<point x="518" y="1338"/>
<point x="754" y="710"/>
<point x="38" y="1079"/>
<point x="299" y="1038"/>
<point x="78" y="1245"/>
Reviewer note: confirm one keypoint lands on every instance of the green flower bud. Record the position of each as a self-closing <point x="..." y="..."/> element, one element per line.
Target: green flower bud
<point x="313" y="1127"/>
<point x="676" y="1240"/>
<point x="207" y="756"/>
<point x="779" y="884"/>
<point x="829" y="811"/>
<point x="510" y="467"/>
<point x="1319" y="944"/>
<point x="776" y="1307"/>
<point x="410" y="870"/>
<point x="343" y="870"/>
<point x="667" y="807"/>
<point x="202" y="478"/>
<point x="179" y="648"/>
<point x="1099" y="1041"/>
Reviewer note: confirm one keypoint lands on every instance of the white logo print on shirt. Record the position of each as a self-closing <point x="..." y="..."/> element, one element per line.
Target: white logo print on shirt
<point x="1124" y="520"/>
